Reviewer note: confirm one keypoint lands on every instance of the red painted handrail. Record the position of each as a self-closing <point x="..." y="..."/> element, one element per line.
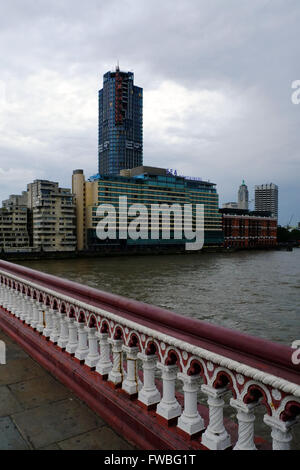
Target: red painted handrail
<point x="265" y="355"/>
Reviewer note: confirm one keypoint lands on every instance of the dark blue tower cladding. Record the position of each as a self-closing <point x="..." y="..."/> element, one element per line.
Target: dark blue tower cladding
<point x="120" y="130"/>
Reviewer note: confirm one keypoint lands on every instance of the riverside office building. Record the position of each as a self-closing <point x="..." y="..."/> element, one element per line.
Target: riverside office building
<point x="144" y="185"/>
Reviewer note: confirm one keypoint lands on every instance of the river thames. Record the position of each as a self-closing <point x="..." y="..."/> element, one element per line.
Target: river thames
<point x="256" y="292"/>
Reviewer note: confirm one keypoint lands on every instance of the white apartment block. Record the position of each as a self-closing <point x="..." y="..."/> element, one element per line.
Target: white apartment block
<point x="52" y="216"/>
<point x="14" y="234"/>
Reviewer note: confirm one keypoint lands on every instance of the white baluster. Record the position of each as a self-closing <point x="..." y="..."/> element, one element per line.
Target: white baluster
<point x="21" y="303"/>
<point x="2" y="294"/>
<point x="281" y="435"/>
<point x="12" y="306"/>
<point x="18" y="301"/>
<point x="6" y="299"/>
<point x="13" y="303"/>
<point x="82" y="349"/>
<point x="168" y="408"/>
<point x="55" y="333"/>
<point x="73" y="336"/>
<point x="215" y="437"/>
<point x="18" y="304"/>
<point x="104" y="365"/>
<point x="246" y="420"/>
<point x="131" y="384"/>
<point x="30" y="313"/>
<point x="117" y="374"/>
<point x="149" y="395"/>
<point x="5" y="296"/>
<point x="25" y="304"/>
<point x="49" y="314"/>
<point x="41" y="323"/>
<point x="10" y="301"/>
<point x="190" y="421"/>
<point x="35" y="313"/>
<point x="93" y="355"/>
<point x="64" y="331"/>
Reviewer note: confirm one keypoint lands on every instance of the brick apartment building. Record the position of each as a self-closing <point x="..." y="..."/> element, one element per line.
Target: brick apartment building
<point x="245" y="229"/>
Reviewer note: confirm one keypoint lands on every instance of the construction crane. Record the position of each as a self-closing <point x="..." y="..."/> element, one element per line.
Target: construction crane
<point x="289" y="223"/>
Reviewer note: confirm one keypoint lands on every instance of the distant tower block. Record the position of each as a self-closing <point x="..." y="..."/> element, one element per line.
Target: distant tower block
<point x="266" y="198"/>
<point x="243" y="196"/>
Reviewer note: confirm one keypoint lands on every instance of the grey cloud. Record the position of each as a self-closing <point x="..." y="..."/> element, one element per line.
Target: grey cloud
<point x="247" y="50"/>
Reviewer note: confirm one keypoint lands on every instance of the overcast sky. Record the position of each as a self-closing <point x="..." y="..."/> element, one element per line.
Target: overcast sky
<point x="217" y="78"/>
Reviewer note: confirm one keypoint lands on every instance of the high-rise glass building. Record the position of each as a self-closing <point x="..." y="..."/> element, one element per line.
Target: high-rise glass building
<point x="266" y="198"/>
<point x="120" y="129"/>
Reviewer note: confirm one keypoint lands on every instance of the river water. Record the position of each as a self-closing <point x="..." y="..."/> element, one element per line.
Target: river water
<point x="256" y="292"/>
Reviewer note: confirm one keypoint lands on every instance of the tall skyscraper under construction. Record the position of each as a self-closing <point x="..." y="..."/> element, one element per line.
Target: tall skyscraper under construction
<point x="120" y="129"/>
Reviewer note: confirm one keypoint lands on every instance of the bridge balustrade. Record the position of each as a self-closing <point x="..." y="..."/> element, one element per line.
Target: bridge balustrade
<point x="151" y="357"/>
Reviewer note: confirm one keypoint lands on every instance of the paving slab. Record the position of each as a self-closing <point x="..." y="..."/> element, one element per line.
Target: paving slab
<point x="99" y="439"/>
<point x="38" y="391"/>
<point x="10" y="437"/>
<point x="4" y="336"/>
<point x="51" y="447"/>
<point x="38" y="412"/>
<point x="52" y="423"/>
<point x="8" y="402"/>
<point x="18" y="370"/>
<point x="13" y="350"/>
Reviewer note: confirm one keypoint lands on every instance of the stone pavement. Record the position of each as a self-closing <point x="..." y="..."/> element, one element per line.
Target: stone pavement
<point x="38" y="412"/>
